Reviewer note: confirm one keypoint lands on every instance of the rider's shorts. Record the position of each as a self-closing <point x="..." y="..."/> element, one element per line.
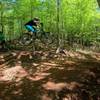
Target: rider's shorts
<point x="30" y="28"/>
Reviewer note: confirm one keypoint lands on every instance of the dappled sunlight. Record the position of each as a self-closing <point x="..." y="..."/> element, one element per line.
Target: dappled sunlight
<point x="24" y="53"/>
<point x="74" y="54"/>
<point x="38" y="76"/>
<point x="45" y="66"/>
<point x="60" y="86"/>
<point x="13" y="74"/>
<point x="49" y="75"/>
<point x="90" y="54"/>
<point x="14" y="53"/>
<point x="49" y="64"/>
<point x="67" y="65"/>
<point x="96" y="56"/>
<point x="54" y="86"/>
<point x="84" y="51"/>
<point x="46" y="97"/>
<point x="35" y="64"/>
<point x="62" y="90"/>
<point x="70" y="63"/>
<point x="1" y="56"/>
<point x="49" y="50"/>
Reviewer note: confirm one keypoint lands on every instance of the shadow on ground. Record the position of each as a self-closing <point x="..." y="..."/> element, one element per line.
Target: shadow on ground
<point x="45" y="75"/>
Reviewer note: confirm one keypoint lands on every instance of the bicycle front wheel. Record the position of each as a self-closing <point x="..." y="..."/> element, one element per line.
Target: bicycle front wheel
<point x="26" y="39"/>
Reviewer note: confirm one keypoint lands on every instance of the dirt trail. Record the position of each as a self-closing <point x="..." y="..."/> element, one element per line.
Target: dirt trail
<point x="45" y="75"/>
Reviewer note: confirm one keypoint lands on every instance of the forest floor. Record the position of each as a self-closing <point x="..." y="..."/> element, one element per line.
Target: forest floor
<point x="45" y="75"/>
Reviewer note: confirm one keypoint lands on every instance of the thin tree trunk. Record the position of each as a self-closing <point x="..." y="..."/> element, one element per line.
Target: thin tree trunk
<point x="1" y="17"/>
<point x="58" y="5"/>
<point x="60" y="37"/>
<point x="98" y="1"/>
<point x="31" y="9"/>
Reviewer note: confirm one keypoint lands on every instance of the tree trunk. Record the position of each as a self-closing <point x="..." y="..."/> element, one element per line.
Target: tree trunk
<point x="98" y="1"/>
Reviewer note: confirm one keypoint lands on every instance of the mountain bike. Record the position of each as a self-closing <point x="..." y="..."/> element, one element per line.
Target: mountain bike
<point x="28" y="38"/>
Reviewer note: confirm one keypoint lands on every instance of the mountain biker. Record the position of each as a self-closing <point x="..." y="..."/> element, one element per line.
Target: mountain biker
<point x="32" y="24"/>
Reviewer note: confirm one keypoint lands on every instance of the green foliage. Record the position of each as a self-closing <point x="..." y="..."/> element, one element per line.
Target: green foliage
<point x="78" y="15"/>
<point x="77" y="18"/>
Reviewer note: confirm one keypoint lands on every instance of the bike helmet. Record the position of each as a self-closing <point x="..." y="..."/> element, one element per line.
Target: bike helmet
<point x="36" y="19"/>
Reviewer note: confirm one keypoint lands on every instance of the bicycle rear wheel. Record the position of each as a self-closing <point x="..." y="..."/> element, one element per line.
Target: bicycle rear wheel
<point x="47" y="38"/>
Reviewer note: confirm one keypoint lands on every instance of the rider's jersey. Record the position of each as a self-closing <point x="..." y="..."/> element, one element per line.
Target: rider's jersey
<point x="31" y="23"/>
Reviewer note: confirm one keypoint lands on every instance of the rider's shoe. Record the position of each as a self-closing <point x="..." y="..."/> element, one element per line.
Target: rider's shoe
<point x="31" y="33"/>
